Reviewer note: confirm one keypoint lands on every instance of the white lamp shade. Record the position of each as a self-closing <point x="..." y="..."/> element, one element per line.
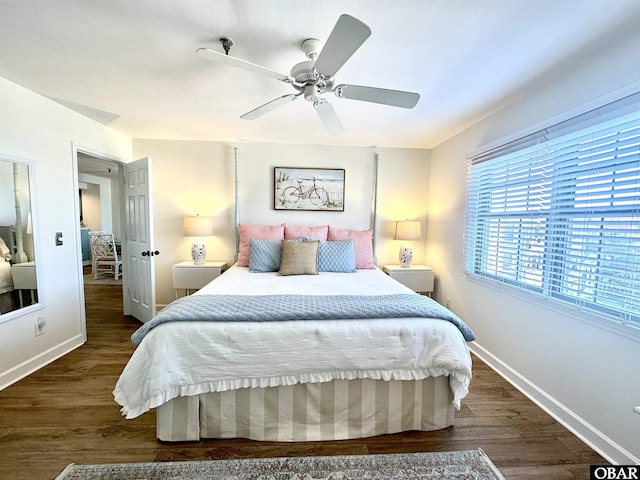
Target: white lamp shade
<point x="197" y="226"/>
<point x="408" y="230"/>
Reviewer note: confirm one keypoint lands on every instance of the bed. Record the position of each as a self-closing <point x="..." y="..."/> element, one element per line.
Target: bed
<point x="322" y="355"/>
<point x="6" y="282"/>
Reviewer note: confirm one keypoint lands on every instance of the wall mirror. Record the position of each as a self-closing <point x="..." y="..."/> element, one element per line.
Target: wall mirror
<point x="18" y="279"/>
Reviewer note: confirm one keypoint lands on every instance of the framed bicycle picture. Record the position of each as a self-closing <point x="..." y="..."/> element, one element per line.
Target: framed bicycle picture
<point x="308" y="189"/>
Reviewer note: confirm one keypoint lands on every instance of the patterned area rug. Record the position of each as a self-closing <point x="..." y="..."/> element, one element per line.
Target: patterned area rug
<point x="464" y="465"/>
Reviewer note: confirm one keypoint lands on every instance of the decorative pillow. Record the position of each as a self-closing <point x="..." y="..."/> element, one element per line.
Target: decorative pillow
<point x="301" y="239"/>
<point x="260" y="232"/>
<point x="315" y="233"/>
<point x="299" y="258"/>
<point x="363" y="244"/>
<point x="264" y="255"/>
<point x="337" y="256"/>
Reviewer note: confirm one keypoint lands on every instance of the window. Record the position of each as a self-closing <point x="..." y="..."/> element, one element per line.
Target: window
<point x="558" y="212"/>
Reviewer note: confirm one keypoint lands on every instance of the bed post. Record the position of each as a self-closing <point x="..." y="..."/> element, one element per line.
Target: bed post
<point x="235" y="208"/>
<point x="374" y="204"/>
<point x="20" y="256"/>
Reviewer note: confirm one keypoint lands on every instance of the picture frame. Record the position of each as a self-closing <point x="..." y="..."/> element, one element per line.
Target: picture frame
<point x="313" y="189"/>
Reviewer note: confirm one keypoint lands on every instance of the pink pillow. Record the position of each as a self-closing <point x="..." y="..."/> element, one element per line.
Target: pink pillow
<point x="363" y="241"/>
<point x="259" y="232"/>
<point x="291" y="232"/>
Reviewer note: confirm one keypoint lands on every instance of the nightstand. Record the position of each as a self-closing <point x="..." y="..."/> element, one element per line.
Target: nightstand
<point x="418" y="278"/>
<point x="187" y="276"/>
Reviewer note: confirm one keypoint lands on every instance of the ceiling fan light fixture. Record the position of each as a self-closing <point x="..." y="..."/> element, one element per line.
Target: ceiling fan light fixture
<point x="311" y="93"/>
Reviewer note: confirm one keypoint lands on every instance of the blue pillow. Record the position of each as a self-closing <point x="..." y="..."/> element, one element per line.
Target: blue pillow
<point x="337" y="256"/>
<point x="264" y="255"/>
<point x="303" y="239"/>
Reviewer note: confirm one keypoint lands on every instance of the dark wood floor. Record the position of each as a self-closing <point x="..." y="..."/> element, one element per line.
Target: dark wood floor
<point x="65" y="413"/>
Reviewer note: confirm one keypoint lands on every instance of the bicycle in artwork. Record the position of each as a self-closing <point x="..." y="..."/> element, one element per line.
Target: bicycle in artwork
<point x="302" y="189"/>
<point x="317" y="196"/>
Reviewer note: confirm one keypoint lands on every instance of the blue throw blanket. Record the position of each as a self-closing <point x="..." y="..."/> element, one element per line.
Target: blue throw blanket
<point x="269" y="308"/>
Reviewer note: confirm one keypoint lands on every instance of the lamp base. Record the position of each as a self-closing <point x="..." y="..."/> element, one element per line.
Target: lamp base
<point x="405" y="256"/>
<point x="198" y="253"/>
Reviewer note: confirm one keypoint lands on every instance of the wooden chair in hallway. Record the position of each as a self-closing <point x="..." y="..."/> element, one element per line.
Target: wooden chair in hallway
<point x="104" y="255"/>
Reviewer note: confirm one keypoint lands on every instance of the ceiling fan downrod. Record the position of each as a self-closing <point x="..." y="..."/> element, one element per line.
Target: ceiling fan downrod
<point x="227" y="43"/>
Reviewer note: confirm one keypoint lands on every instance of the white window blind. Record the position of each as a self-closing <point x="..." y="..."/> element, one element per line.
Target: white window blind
<point x="558" y="212"/>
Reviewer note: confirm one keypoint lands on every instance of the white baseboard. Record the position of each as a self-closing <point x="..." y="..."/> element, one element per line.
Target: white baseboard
<point x="26" y="368"/>
<point x="602" y="444"/>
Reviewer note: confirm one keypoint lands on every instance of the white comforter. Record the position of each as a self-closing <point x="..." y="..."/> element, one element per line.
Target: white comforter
<point x="189" y="358"/>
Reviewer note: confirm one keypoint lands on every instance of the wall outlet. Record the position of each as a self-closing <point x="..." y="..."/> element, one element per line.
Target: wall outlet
<point x="447" y="303"/>
<point x="40" y="326"/>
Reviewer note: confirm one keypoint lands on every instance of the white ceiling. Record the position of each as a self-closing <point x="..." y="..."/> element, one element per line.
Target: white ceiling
<point x="131" y="64"/>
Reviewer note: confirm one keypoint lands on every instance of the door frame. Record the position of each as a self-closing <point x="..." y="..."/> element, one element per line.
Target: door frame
<point x="76" y="207"/>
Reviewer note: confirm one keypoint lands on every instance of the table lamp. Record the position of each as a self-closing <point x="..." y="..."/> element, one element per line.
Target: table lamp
<point x="407" y="231"/>
<point x="197" y="227"/>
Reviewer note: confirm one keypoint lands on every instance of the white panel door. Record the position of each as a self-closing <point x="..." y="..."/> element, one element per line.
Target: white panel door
<point x="139" y="278"/>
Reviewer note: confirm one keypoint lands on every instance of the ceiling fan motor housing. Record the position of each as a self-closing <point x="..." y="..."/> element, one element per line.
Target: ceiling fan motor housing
<point x="303" y="72"/>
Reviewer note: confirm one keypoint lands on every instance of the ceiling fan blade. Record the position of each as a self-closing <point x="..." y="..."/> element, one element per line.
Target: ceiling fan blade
<point x="268" y="107"/>
<point x="236" y="62"/>
<point x="328" y="116"/>
<point x="395" y="98"/>
<point x="346" y="37"/>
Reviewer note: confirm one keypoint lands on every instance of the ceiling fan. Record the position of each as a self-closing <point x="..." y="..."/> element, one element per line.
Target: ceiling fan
<point x="315" y="77"/>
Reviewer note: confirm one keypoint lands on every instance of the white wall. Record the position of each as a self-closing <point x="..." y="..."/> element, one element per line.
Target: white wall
<point x="198" y="178"/>
<point x="101" y="204"/>
<point x="35" y="128"/>
<point x="91" y="211"/>
<point x="586" y="375"/>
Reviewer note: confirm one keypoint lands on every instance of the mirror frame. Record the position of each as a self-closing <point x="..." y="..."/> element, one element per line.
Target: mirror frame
<point x="21" y="311"/>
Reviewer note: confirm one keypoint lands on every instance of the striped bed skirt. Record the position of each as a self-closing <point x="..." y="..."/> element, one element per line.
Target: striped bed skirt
<point x="335" y="410"/>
